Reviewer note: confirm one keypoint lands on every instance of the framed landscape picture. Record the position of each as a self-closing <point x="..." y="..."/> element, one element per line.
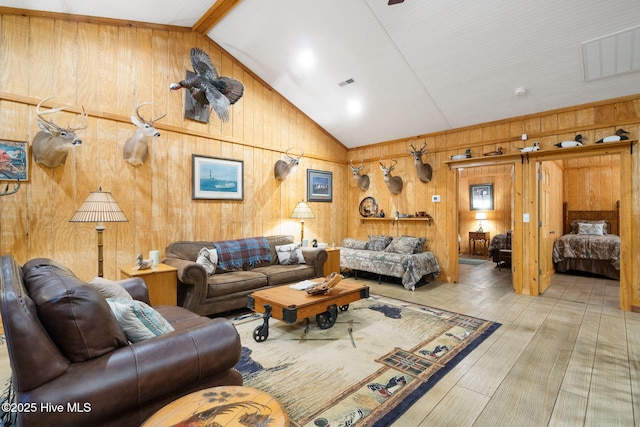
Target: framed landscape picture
<point x="481" y="197"/>
<point x="319" y="186"/>
<point x="215" y="178"/>
<point x="14" y="163"/>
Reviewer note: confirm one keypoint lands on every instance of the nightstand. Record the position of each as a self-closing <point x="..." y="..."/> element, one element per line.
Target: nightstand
<point x="162" y="282"/>
<point x="332" y="265"/>
<point x="482" y="237"/>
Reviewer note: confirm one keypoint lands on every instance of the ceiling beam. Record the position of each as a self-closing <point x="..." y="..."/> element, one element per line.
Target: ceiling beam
<point x="219" y="10"/>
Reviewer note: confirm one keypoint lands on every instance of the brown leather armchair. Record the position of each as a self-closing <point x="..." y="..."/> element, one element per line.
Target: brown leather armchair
<point x="73" y="366"/>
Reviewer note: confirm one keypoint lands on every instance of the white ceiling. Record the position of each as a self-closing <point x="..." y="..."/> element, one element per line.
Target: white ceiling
<point x="421" y="66"/>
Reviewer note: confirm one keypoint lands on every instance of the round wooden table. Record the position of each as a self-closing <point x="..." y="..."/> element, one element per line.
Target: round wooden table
<point x="225" y="405"/>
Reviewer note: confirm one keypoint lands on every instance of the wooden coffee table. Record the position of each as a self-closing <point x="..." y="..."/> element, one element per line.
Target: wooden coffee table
<point x="222" y="406"/>
<point x="290" y="305"/>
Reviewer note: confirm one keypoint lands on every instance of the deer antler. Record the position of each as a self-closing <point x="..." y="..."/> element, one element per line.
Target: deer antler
<point x="39" y="112"/>
<point x="142" y="118"/>
<point x="286" y="153"/>
<point x="6" y="191"/>
<point x="84" y="121"/>
<point x="357" y="169"/>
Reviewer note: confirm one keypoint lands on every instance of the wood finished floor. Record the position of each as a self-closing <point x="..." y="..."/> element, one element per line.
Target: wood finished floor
<point x="570" y="357"/>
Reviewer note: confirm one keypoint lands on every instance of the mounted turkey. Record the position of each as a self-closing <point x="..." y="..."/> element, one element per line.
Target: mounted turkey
<point x="208" y="88"/>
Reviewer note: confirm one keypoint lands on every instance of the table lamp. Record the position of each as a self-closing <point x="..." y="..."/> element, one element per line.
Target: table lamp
<point x="99" y="207"/>
<point x="302" y="211"/>
<point x="480" y="216"/>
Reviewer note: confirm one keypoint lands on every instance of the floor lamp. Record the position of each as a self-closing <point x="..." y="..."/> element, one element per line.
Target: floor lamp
<point x="302" y="211"/>
<point x="99" y="207"/>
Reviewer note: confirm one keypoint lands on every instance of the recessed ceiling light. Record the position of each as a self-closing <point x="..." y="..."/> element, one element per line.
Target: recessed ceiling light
<point x="354" y="107"/>
<point x="306" y="59"/>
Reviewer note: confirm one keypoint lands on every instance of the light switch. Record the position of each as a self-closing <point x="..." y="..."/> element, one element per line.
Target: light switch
<point x="525" y="217"/>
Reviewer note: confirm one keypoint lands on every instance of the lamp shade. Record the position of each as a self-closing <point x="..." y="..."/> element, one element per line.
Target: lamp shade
<point x="302" y="211"/>
<point x="481" y="215"/>
<point x="99" y="206"/>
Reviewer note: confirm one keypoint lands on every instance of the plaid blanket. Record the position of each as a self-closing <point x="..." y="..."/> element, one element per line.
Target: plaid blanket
<point x="238" y="253"/>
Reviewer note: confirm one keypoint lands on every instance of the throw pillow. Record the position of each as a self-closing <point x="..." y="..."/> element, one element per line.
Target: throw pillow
<point x="378" y="243"/>
<point x="591" y="229"/>
<point x="419" y="245"/>
<point x="138" y="321"/>
<point x="74" y="313"/>
<point x="109" y="288"/>
<point x="354" y="243"/>
<point x="403" y="245"/>
<point x="208" y="258"/>
<point x="575" y="225"/>
<point x="290" y="254"/>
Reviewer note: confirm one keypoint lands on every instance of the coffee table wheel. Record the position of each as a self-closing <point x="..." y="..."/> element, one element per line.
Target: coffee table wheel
<point x="344" y="307"/>
<point x="328" y="318"/>
<point x="260" y="333"/>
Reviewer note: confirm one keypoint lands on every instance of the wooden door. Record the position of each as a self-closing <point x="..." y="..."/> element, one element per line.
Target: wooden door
<point x="550" y="217"/>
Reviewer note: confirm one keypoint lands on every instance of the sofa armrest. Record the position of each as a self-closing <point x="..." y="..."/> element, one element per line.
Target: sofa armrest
<point x="136" y="375"/>
<point x="192" y="282"/>
<point x="316" y="257"/>
<point x="137" y="288"/>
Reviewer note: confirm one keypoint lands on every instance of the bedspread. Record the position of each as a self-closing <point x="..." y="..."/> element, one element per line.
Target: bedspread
<point x="411" y="268"/>
<point x="604" y="248"/>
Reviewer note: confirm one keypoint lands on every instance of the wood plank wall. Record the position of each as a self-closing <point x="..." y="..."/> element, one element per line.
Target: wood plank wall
<point x="110" y="69"/>
<point x="586" y="183"/>
<point x="499" y="219"/>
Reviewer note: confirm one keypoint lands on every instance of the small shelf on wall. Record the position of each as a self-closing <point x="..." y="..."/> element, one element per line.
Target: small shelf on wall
<point x="393" y="221"/>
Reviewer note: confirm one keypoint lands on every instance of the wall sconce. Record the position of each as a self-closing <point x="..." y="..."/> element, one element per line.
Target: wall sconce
<point x="480" y="216"/>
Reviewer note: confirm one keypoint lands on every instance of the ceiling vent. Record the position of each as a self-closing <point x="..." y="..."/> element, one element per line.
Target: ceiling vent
<point x="611" y="55"/>
<point x="346" y="82"/>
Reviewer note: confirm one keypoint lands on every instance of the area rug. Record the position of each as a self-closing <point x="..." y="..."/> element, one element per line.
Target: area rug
<point x="379" y="358"/>
<point x="472" y="261"/>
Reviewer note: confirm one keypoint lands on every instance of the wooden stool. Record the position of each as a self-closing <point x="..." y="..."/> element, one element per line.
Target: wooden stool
<point x="226" y="405"/>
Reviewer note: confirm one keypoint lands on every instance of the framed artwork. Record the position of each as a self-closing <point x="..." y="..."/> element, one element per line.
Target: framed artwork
<point x="14" y="163"/>
<point x="215" y="178"/>
<point x="481" y="197"/>
<point x="319" y="186"/>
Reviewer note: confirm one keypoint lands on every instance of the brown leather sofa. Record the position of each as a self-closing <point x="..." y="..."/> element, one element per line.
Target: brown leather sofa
<point x="73" y="366"/>
<point x="225" y="291"/>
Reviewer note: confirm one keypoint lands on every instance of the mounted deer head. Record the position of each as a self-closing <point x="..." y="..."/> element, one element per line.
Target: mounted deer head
<point x="361" y="180"/>
<point x="6" y="191"/>
<point x="393" y="182"/>
<point x="52" y="144"/>
<point x="423" y="170"/>
<point x="136" y="149"/>
<point x="283" y="169"/>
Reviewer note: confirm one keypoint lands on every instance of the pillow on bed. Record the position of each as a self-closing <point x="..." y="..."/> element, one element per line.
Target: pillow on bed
<point x="575" y="225"/>
<point x="405" y="245"/>
<point x="378" y="243"/>
<point x="354" y="243"/>
<point x="591" y="229"/>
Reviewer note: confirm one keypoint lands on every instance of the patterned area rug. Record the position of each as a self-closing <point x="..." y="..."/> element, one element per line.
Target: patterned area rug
<point x="381" y="356"/>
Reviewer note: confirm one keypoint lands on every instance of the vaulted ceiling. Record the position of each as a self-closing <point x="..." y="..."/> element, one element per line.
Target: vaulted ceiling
<point x="369" y="72"/>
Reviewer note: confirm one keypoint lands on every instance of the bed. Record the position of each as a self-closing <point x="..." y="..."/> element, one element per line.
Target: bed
<point x="590" y="242"/>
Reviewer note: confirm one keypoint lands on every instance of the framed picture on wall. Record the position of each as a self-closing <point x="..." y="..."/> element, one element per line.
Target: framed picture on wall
<point x="481" y="197"/>
<point x="319" y="186"/>
<point x="14" y="162"/>
<point x="215" y="178"/>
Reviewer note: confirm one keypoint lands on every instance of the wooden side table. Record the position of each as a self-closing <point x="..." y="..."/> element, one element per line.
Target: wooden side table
<point x="161" y="280"/>
<point x="222" y="406"/>
<point x="482" y="237"/>
<point x="332" y="265"/>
